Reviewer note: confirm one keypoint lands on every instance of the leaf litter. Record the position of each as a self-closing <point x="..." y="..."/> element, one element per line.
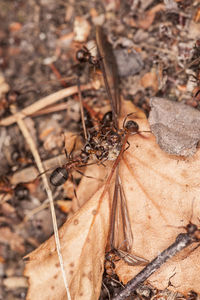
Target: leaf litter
<point x="163" y="32"/>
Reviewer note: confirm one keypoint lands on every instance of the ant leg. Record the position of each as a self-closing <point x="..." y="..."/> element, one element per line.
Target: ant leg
<point x="107" y="290"/>
<point x="127" y="147"/>
<point x="66" y="154"/>
<point x="169" y="281"/>
<point x="102" y="162"/>
<point x="85" y="49"/>
<point x="85" y="175"/>
<point x="74" y="189"/>
<point x="127" y="118"/>
<point x="140" y="133"/>
<point x="196" y="94"/>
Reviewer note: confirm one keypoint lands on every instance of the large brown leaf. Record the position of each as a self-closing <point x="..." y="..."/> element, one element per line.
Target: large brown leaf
<point x="162" y="194"/>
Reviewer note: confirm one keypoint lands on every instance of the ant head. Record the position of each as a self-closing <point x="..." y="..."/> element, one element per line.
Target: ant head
<point x="131" y="126"/>
<point x="59" y="176"/>
<point x="93" y="60"/>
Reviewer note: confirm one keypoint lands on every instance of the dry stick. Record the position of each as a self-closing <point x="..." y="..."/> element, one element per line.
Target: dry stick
<point x="46" y="101"/>
<point x="27" y="136"/>
<point x="182" y="241"/>
<point x="51" y="109"/>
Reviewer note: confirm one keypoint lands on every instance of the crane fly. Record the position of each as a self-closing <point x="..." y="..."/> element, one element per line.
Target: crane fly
<point x="120" y="229"/>
<point x="107" y="143"/>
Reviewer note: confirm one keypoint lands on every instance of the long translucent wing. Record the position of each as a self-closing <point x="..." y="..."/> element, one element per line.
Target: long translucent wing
<point x="121" y="233"/>
<point x="110" y="72"/>
<point x="131" y="259"/>
<point x="121" y="236"/>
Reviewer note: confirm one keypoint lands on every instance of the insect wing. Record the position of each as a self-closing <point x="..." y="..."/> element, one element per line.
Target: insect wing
<point x="120" y="231"/>
<point x="110" y="72"/>
<point x="131" y="259"/>
<point x="121" y="234"/>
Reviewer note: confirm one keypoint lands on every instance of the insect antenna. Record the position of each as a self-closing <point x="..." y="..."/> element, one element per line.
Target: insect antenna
<point x="82" y="110"/>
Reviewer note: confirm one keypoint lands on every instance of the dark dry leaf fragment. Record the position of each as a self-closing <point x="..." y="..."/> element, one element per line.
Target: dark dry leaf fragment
<point x="175" y="125"/>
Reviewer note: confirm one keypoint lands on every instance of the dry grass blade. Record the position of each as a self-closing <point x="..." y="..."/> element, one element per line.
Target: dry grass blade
<point x="46" y="101"/>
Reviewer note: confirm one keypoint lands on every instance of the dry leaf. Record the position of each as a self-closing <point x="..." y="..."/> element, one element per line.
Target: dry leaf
<point x="161" y="192"/>
<point x="70" y="141"/>
<point x="83" y="239"/>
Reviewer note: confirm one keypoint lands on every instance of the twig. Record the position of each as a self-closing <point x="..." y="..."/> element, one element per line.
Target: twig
<point x="27" y="136"/>
<point x="182" y="241"/>
<point x="46" y="101"/>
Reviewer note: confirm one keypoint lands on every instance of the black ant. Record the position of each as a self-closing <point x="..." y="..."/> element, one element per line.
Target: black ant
<point x="105" y="144"/>
<point x="84" y="55"/>
<point x="61" y="174"/>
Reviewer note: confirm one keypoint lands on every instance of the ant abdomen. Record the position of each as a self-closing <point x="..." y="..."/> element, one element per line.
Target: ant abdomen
<point x="58" y="176"/>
